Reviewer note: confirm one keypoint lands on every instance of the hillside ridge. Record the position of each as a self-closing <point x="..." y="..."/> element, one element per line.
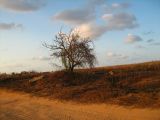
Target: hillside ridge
<point x="135" y="85"/>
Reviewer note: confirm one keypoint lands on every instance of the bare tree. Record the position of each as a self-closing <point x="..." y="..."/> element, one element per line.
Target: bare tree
<point x="73" y="50"/>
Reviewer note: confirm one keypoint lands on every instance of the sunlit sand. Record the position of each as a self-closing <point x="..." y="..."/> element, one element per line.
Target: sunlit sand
<point x="19" y="106"/>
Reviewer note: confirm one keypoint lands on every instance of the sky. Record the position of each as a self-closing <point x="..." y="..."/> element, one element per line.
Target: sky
<point x="123" y="31"/>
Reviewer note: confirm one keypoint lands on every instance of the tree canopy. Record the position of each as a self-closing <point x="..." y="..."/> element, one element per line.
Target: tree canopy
<point x="73" y="50"/>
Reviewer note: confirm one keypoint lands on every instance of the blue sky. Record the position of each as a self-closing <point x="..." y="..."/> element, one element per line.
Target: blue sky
<point x="124" y="31"/>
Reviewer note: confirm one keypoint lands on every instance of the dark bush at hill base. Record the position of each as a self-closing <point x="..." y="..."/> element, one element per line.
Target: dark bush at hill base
<point x="131" y="85"/>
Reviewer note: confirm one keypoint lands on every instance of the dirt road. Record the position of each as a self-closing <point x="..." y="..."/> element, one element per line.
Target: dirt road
<point x="18" y="106"/>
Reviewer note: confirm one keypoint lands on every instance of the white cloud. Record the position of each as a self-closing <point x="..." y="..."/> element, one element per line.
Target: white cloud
<point x="140" y="47"/>
<point x="41" y="58"/>
<point x="133" y="38"/>
<point x="9" y="26"/>
<point x="81" y="15"/>
<point x="150" y="40"/>
<point x="95" y="2"/>
<point x="21" y="5"/>
<point x="111" y="54"/>
<point x="155" y="44"/>
<point x="75" y="16"/>
<point x="120" y="5"/>
<point x="148" y="32"/>
<point x="91" y="30"/>
<point x="85" y="19"/>
<point x="120" y="21"/>
<point x="117" y="56"/>
<point x="116" y="7"/>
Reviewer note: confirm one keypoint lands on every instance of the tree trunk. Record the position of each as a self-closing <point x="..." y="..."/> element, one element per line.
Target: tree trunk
<point x="71" y="69"/>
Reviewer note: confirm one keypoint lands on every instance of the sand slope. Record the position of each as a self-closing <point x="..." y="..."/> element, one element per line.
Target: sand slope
<point x="18" y="106"/>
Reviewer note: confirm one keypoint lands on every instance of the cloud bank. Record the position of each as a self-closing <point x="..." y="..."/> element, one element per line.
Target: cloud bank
<point x="120" y="5"/>
<point x="120" y="21"/>
<point x="9" y="26"/>
<point x="112" y="55"/>
<point x="85" y="18"/>
<point x="75" y="16"/>
<point x="150" y="40"/>
<point x="41" y="58"/>
<point x="22" y="5"/>
<point x="133" y="38"/>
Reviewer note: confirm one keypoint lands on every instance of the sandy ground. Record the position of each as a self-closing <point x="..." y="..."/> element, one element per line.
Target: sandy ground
<point x="18" y="106"/>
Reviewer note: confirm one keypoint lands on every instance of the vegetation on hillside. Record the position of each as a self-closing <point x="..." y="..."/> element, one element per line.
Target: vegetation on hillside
<point x="131" y="85"/>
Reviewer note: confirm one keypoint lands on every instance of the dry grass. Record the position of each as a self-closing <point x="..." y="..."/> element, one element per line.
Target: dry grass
<point x="135" y="85"/>
<point x="20" y="106"/>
